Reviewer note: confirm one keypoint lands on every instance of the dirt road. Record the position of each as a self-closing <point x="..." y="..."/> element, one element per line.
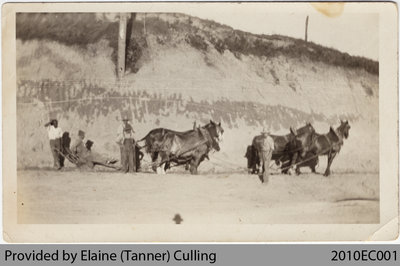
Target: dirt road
<point x="70" y="197"/>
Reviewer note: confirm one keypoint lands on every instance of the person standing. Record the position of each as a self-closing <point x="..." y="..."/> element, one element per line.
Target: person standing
<point x="126" y="142"/>
<point x="267" y="148"/>
<point x="55" y="135"/>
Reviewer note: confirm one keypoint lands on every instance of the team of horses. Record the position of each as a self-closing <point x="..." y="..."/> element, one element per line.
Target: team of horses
<point x="300" y="148"/>
<point x="190" y="148"/>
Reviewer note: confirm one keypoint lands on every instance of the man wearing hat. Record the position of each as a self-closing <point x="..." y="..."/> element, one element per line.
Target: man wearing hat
<point x="78" y="147"/>
<point x="55" y="135"/>
<point x="126" y="143"/>
<point x="267" y="148"/>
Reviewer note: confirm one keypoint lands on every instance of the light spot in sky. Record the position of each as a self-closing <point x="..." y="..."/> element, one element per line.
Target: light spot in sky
<point x="329" y="9"/>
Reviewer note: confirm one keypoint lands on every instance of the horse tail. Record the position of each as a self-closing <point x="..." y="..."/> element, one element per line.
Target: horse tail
<point x="147" y="143"/>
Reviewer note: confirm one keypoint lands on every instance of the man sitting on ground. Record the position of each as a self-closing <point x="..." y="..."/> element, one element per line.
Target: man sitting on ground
<point x="78" y="147"/>
<point x="91" y="158"/>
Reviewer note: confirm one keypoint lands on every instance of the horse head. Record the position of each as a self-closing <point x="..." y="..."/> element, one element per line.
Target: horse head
<point x="216" y="131"/>
<point x="308" y="128"/>
<point x="344" y="128"/>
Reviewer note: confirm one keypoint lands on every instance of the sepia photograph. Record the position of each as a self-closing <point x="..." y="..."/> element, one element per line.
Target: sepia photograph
<point x="200" y="116"/>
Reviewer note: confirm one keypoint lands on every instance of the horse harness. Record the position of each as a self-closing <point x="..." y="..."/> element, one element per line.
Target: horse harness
<point x="330" y="149"/>
<point x="207" y="140"/>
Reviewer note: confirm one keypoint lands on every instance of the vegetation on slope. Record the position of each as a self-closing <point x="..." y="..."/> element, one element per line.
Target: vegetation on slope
<point x="82" y="29"/>
<point x="77" y="29"/>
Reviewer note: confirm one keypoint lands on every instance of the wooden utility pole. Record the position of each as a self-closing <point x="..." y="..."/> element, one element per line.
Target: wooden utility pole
<point x="144" y="24"/>
<point x="305" y="38"/>
<point x="121" y="44"/>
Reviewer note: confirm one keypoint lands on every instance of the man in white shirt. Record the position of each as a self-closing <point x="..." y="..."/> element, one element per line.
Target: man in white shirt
<point x="267" y="147"/>
<point x="126" y="142"/>
<point x="55" y="135"/>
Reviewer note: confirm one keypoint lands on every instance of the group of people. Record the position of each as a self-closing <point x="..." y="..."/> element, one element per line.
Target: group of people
<point x="80" y="151"/>
<point x="129" y="150"/>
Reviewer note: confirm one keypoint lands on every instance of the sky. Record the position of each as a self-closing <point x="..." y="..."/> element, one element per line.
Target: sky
<point x="356" y="33"/>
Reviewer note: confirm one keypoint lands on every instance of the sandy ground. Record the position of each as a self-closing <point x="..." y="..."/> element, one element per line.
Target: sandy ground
<point x="71" y="196"/>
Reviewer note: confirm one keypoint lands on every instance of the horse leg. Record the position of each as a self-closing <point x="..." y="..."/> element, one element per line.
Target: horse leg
<point x="160" y="167"/>
<point x="312" y="169"/>
<point x="250" y="165"/>
<point x="298" y="166"/>
<point x="285" y="167"/>
<point x="292" y="162"/>
<point x="298" y="170"/>
<point x="193" y="165"/>
<point x="257" y="168"/>
<point x="254" y="169"/>
<point x="158" y="171"/>
<point x="166" y="164"/>
<point x="154" y="157"/>
<point x="193" y="168"/>
<point x="331" y="156"/>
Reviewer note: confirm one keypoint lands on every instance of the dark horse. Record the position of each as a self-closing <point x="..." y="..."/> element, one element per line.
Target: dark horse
<point x="190" y="147"/>
<point x="282" y="151"/>
<point x="281" y="142"/>
<point x="253" y="161"/>
<point x="298" y="151"/>
<point x="330" y="144"/>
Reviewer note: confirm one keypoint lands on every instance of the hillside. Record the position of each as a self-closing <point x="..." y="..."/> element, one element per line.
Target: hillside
<point x="182" y="69"/>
